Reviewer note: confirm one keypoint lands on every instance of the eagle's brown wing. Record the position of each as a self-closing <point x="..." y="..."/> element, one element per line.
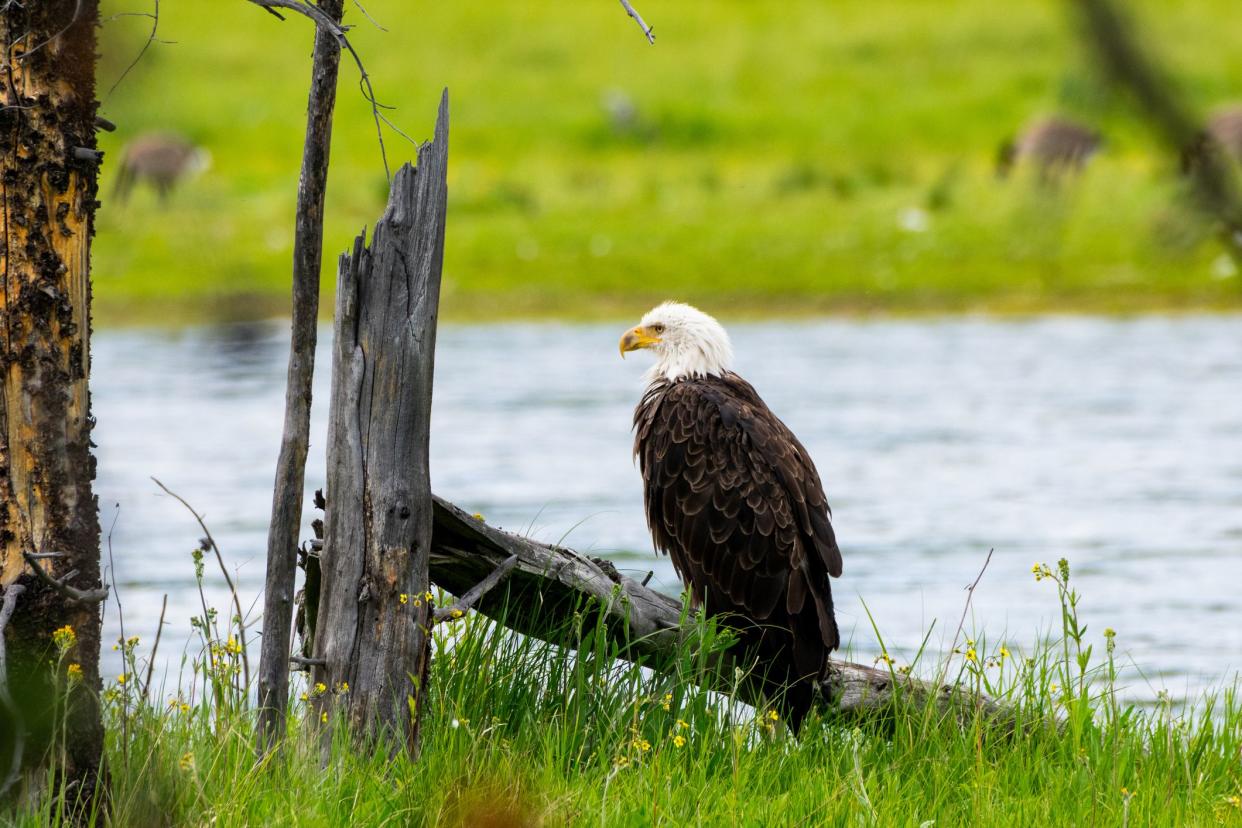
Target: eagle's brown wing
<point x="735" y="500"/>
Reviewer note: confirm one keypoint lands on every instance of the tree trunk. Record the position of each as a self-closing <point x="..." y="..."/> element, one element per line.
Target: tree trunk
<point x="48" y="177"/>
<point x="371" y="642"/>
<point x="289" y="492"/>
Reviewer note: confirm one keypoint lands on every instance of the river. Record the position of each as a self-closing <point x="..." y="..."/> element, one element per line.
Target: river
<point x="1114" y="443"/>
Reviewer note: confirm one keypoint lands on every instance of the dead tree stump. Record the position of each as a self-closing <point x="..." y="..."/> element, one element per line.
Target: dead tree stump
<point x="372" y="634"/>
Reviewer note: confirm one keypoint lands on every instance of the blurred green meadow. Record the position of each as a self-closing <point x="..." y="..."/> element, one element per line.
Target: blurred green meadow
<point x="761" y="158"/>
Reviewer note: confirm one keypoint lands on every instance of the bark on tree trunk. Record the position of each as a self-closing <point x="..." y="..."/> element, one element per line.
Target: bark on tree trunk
<point x="289" y="492"/>
<point x="371" y="642"/>
<point x="48" y="184"/>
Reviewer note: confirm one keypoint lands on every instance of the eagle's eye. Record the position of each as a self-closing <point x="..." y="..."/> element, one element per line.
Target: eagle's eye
<point x="658" y="328"/>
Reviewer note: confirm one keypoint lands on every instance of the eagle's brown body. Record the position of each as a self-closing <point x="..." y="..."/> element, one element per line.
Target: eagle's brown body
<point x="736" y="502"/>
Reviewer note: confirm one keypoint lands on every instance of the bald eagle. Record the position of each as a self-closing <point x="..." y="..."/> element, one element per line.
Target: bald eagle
<point x="735" y="500"/>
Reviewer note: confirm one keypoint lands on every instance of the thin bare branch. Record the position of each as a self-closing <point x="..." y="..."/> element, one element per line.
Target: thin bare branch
<point x="368" y="16"/>
<point x="155" y="25"/>
<point x="155" y="648"/>
<point x="467" y="601"/>
<point x="241" y="619"/>
<point x="632" y="12"/>
<point x="970" y="594"/>
<point x="120" y="615"/>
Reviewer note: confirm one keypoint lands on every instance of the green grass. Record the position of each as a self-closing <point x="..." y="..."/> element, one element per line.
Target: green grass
<point x="521" y="732"/>
<point x="776" y="148"/>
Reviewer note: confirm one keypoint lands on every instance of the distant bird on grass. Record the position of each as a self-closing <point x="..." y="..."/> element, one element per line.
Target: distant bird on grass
<point x="734" y="499"/>
<point x="1054" y="146"/>
<point x="162" y="159"/>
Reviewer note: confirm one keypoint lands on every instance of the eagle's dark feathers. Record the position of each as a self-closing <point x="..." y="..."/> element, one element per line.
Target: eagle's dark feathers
<point x="734" y="499"/>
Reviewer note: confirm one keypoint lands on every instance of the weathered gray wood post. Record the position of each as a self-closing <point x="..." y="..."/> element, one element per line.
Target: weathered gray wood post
<point x="371" y="647"/>
<point x="288" y="491"/>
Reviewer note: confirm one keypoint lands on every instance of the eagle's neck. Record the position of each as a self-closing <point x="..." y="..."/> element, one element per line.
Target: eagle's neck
<point x="706" y="356"/>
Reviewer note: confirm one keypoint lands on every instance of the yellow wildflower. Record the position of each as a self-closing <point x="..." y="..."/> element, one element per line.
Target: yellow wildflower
<point x="679" y="740"/>
<point x="64" y="638"/>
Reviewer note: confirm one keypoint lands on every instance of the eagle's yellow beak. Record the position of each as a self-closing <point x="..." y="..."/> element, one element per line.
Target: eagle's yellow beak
<point x="639" y="337"/>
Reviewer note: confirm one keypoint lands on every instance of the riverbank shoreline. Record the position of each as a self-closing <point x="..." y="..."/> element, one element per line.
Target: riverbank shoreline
<point x="112" y="313"/>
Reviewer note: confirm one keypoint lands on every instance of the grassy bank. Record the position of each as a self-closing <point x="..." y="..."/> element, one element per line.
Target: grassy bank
<point x="519" y="732"/>
<point x="798" y="157"/>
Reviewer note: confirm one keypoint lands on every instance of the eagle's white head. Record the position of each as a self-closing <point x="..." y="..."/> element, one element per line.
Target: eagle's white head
<point x="686" y="342"/>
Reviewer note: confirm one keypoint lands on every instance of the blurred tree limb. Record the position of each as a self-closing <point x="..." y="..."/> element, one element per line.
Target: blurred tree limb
<point x="1125" y="62"/>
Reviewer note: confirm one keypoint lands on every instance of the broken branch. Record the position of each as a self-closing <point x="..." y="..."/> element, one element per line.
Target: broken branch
<point x="467" y="601"/>
<point x="61" y="585"/>
<point x="549" y="584"/>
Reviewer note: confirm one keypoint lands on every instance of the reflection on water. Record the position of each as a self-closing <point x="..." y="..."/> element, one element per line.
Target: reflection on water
<point x="1114" y="443"/>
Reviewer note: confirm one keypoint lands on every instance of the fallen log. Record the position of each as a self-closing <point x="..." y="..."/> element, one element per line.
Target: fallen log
<point x="549" y="584"/>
